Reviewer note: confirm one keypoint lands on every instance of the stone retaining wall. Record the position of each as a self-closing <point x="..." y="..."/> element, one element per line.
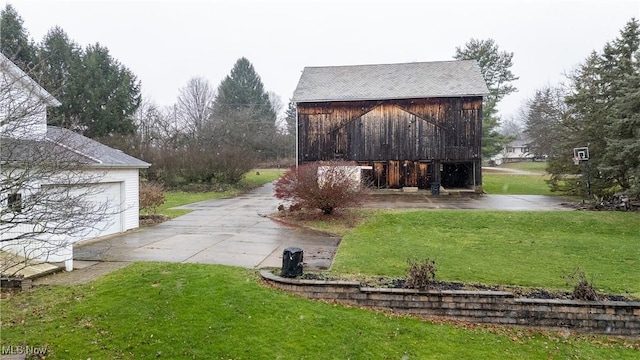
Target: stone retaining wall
<point x="495" y="307"/>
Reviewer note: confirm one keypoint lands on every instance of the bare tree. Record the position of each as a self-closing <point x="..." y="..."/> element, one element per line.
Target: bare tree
<point x="46" y="185"/>
<point x="194" y="105"/>
<point x="545" y="122"/>
<point x="278" y="107"/>
<point x="512" y="127"/>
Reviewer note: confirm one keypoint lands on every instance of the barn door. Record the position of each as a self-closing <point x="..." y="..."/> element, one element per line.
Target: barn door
<point x="393" y="174"/>
<point x="423" y="176"/>
<point x="379" y="175"/>
<point x="409" y="174"/>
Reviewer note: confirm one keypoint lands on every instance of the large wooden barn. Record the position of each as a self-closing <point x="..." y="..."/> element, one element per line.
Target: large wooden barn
<point x="410" y="125"/>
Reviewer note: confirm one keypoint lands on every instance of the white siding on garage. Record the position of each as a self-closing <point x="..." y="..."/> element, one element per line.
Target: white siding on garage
<point x="119" y="189"/>
<point x="131" y="203"/>
<point x="110" y="194"/>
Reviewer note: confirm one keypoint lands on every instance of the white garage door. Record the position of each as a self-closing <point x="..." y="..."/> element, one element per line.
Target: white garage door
<point x="110" y="194"/>
<point x="106" y="202"/>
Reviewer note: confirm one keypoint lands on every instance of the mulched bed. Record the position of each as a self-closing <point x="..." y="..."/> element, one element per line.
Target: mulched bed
<point x="608" y="203"/>
<point x="520" y="292"/>
<point x="153" y="219"/>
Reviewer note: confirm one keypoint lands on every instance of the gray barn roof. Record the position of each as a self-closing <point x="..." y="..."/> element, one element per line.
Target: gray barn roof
<point x="390" y="81"/>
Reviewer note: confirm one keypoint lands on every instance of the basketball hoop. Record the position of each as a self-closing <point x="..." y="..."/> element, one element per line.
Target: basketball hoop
<point x="582" y="154"/>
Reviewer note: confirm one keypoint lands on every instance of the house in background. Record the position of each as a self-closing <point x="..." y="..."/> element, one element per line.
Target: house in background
<point x="515" y="151"/>
<point x="107" y="176"/>
<point x="413" y="124"/>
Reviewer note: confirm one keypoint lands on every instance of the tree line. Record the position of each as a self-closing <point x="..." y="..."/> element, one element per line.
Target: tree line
<point x="210" y="135"/>
<point x="598" y="107"/>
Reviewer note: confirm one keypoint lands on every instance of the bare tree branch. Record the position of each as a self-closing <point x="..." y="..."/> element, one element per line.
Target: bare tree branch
<point x="47" y="185"/>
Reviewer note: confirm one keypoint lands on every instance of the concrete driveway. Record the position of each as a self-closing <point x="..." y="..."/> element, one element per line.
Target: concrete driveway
<point x="236" y="231"/>
<point x="231" y="231"/>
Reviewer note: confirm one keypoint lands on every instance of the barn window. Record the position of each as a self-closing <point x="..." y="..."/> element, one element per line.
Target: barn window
<point x="14" y="202"/>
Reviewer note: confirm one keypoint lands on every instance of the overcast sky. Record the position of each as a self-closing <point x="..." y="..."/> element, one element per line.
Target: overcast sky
<point x="165" y="43"/>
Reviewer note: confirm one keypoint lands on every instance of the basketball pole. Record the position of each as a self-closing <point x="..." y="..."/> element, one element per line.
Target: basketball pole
<point x="588" y="178"/>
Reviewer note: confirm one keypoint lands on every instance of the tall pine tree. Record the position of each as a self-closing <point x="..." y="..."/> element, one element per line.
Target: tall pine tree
<point x="621" y="155"/>
<point x="106" y="95"/>
<point x="242" y="112"/>
<point x="495" y="66"/>
<point x="579" y="128"/>
<point x="603" y="116"/>
<point x="59" y="62"/>
<point x="15" y="43"/>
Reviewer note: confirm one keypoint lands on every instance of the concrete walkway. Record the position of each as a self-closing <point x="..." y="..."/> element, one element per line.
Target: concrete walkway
<point x="84" y="272"/>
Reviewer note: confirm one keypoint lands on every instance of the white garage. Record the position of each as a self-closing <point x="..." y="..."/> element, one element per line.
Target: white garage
<point x="58" y="187"/>
<point x="105" y="191"/>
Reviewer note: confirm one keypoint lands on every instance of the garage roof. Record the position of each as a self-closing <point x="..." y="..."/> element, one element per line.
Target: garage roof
<point x="69" y="146"/>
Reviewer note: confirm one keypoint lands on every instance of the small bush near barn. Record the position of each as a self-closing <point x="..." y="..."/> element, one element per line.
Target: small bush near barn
<point x="325" y="187"/>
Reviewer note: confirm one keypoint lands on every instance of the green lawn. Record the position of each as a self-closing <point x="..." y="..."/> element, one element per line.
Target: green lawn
<point x="513" y="248"/>
<point x="186" y="311"/>
<point x="510" y="184"/>
<point x="532" y="166"/>
<point x="259" y="177"/>
<point x="252" y="179"/>
<point x="196" y="311"/>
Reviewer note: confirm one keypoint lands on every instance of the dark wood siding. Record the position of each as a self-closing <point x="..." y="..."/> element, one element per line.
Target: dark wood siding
<point x="419" y="129"/>
<point x="405" y="141"/>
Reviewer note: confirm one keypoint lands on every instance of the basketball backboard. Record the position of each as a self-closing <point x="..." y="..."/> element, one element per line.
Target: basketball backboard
<point x="581" y="153"/>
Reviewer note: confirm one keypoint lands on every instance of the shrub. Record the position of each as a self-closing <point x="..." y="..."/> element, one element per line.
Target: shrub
<point x="421" y="274"/>
<point x="206" y="165"/>
<point x="151" y="196"/>
<point x="582" y="288"/>
<point x="326" y="187"/>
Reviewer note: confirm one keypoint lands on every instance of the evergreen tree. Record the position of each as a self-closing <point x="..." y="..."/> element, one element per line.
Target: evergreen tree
<point x="621" y="155"/>
<point x="495" y="66"/>
<point x="289" y="137"/>
<point x="98" y="94"/>
<point x="15" y="43"/>
<point x="603" y="110"/>
<point x="578" y="130"/>
<point x="59" y="62"/>
<point x="242" y="112"/>
<point x="106" y="95"/>
<point x="290" y="118"/>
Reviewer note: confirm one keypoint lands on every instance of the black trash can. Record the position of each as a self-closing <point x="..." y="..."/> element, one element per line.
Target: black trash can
<point x="292" y="262"/>
<point x="435" y="188"/>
